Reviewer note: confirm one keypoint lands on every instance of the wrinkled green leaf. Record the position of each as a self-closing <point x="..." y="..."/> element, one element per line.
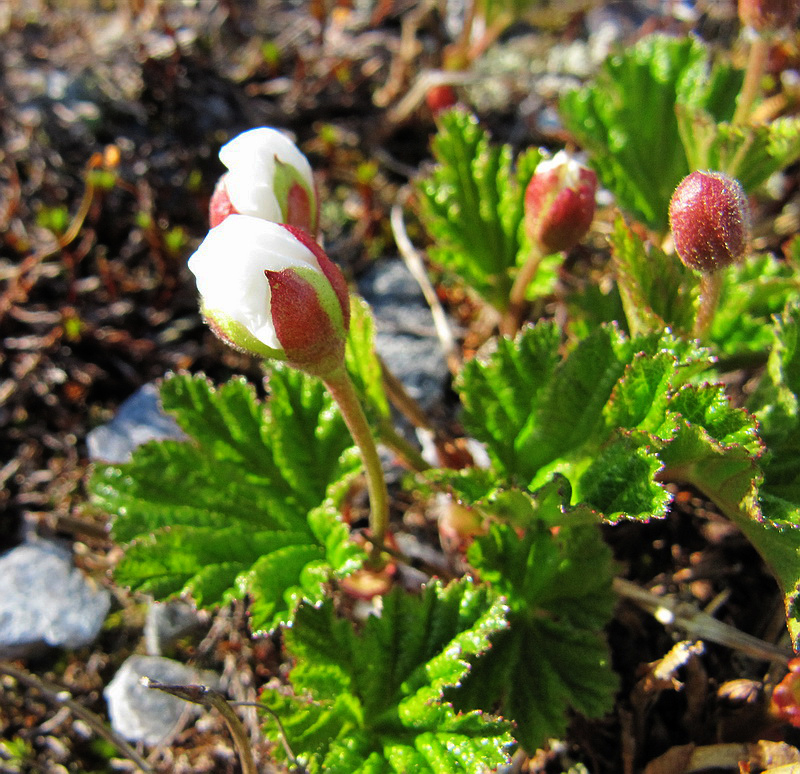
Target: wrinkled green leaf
<point x="657" y="290"/>
<point x="626" y="118"/>
<point x="599" y="416"/>
<point x="752" y="293"/>
<point x="472" y="205"/>
<point x="371" y="701"/>
<point x="241" y="507"/>
<point x="554" y="655"/>
<point x="746" y="152"/>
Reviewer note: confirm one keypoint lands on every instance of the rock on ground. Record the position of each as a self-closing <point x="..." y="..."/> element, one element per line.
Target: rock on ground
<point x="46" y="601"/>
<point x="139" y="419"/>
<point x="142" y="714"/>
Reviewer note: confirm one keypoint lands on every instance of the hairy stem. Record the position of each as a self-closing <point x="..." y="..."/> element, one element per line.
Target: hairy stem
<point x="710" y="289"/>
<point x="341" y="388"/>
<point x="512" y="319"/>
<point x="756" y="61"/>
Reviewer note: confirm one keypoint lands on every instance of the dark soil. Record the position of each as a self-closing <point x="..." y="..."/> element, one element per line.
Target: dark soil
<point x="87" y="318"/>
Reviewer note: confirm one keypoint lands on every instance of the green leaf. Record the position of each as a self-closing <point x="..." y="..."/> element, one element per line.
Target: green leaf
<point x="657" y="290"/>
<point x="244" y="506"/>
<point x="371" y="701"/>
<point x="759" y="492"/>
<point x="748" y="153"/>
<point x="752" y="293"/>
<point x="472" y="204"/>
<point x="554" y="656"/>
<point x="500" y="394"/>
<point x="621" y="482"/>
<point x="599" y="417"/>
<point x="626" y="118"/>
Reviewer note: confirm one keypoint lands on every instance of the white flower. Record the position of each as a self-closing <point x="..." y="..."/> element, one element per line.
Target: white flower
<point x="262" y="164"/>
<point x="229" y="267"/>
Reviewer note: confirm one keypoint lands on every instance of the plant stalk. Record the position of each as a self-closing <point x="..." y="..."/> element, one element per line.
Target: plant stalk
<point x="512" y="318"/>
<point x="343" y="392"/>
<point x="710" y="290"/>
<point x="201" y="694"/>
<point x="756" y="62"/>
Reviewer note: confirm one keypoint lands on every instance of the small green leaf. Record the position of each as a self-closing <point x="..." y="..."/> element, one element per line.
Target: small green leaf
<point x="657" y="290"/>
<point x="752" y="293"/>
<point x="472" y="203"/>
<point x="746" y="152"/>
<point x="500" y="394"/>
<point x="246" y="506"/>
<point x="626" y="118"/>
<point x="621" y="482"/>
<point x="553" y="656"/>
<point x="372" y="701"/>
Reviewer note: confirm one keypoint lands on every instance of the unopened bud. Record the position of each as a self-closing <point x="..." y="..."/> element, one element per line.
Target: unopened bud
<point x="710" y="221"/>
<point x="269" y="289"/>
<point x="560" y="203"/>
<point x="268" y="177"/>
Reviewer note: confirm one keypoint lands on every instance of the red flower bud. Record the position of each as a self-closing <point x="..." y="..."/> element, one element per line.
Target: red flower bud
<point x="271" y="290"/>
<point x="440" y="98"/>
<point x="268" y="177"/>
<point x="559" y="203"/>
<point x="710" y="221"/>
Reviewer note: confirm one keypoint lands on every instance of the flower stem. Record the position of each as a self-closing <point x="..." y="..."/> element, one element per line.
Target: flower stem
<point x="512" y="319"/>
<point x="756" y="61"/>
<point x="710" y="290"/>
<point x="341" y="388"/>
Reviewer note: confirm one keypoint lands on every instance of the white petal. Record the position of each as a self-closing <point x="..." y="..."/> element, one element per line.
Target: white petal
<point x="250" y="159"/>
<point x="229" y="269"/>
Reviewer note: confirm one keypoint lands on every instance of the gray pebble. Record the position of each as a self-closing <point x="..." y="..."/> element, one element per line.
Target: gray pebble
<point x="139" y="419"/>
<point x="46" y="601"/>
<point x="142" y="714"/>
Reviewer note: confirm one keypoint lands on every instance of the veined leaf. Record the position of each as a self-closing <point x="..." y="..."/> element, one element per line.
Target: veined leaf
<point x="472" y="203"/>
<point x="244" y="506"/>
<point x="745" y="152"/>
<point x="598" y="417"/>
<point x="777" y="406"/>
<point x="626" y="118"/>
<point x="554" y="655"/>
<point x="752" y="293"/>
<point x="372" y="701"/>
<point x="500" y="394"/>
<point x="657" y="290"/>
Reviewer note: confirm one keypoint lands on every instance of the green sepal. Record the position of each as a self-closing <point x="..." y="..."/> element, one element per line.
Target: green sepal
<point x="362" y="360"/>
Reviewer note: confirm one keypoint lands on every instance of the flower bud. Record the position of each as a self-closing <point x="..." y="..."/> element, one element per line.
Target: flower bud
<point x="269" y="289"/>
<point x="559" y="203"/>
<point x="710" y="221"/>
<point x="268" y="177"/>
<point x="768" y="15"/>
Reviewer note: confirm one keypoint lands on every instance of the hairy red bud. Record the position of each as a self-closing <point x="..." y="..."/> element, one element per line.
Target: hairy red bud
<point x="710" y="221"/>
<point x="560" y="203"/>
